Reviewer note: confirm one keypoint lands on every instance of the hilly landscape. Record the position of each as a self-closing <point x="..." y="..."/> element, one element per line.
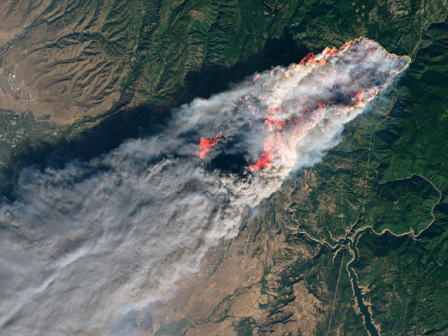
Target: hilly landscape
<point x="355" y="245"/>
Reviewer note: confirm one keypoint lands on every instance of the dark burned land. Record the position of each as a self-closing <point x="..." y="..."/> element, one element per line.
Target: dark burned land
<point x="357" y="244"/>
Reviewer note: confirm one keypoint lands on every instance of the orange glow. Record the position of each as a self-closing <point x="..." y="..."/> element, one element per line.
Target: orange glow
<point x="262" y="162"/>
<point x="359" y="96"/>
<point x="283" y="131"/>
<point x="284" y="134"/>
<point x="206" y="144"/>
<point x="307" y="59"/>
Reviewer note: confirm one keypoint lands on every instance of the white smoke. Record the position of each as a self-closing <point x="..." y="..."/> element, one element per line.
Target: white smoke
<point x="86" y="243"/>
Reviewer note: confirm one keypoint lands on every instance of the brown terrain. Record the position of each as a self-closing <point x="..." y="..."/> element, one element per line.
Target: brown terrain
<point x="53" y="69"/>
<point x="72" y="59"/>
<point x="239" y="279"/>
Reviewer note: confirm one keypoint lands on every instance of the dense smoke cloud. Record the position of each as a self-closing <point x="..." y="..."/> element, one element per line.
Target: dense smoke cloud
<point x="86" y="243"/>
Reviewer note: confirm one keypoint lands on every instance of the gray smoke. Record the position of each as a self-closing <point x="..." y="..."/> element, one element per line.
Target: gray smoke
<point x="84" y="245"/>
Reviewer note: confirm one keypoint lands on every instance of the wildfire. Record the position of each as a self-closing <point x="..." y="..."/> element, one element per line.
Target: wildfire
<point x="287" y="121"/>
<point x="206" y="144"/>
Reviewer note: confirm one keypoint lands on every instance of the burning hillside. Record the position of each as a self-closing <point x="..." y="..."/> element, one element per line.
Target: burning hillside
<point x="85" y="244"/>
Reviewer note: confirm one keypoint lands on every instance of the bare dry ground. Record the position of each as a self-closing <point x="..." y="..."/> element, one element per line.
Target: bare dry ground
<point x="73" y="59"/>
<point x="237" y="283"/>
<point x="54" y="66"/>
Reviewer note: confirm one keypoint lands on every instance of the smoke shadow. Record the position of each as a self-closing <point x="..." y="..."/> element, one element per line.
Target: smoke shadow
<point x="122" y="122"/>
<point x="228" y="163"/>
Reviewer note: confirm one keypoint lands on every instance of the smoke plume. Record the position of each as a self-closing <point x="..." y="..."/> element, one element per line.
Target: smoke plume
<point x="81" y="246"/>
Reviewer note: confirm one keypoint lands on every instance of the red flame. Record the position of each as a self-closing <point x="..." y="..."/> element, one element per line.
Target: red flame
<point x="282" y="134"/>
<point x="280" y="142"/>
<point x="359" y="96"/>
<point x="264" y="160"/>
<point x="206" y="144"/>
<point x="307" y="59"/>
<point x="310" y="59"/>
